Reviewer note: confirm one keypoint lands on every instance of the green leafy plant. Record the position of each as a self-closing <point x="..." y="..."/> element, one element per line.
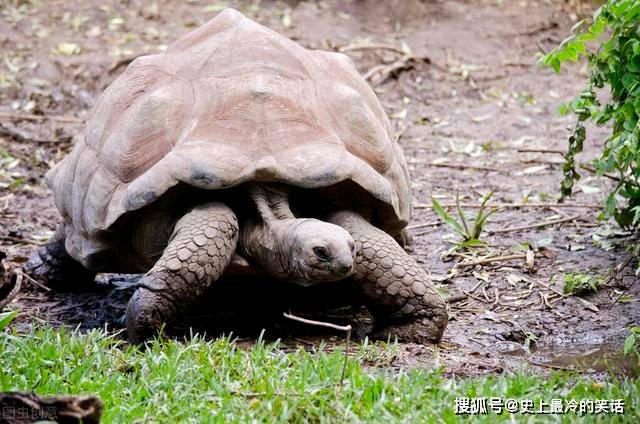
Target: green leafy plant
<point x="6" y="318"/>
<point x="581" y="283"/>
<point x="632" y="342"/>
<point x="470" y="234"/>
<point x="610" y="41"/>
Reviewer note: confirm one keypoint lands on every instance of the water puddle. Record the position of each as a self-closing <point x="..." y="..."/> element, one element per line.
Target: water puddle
<point x="606" y="357"/>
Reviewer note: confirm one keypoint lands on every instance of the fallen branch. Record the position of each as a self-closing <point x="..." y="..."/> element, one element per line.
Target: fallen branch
<point x="593" y="171"/>
<point x="491" y="260"/>
<point x="539" y="150"/>
<point x="513" y="205"/>
<point x="536" y="225"/>
<point x="371" y="46"/>
<point x="463" y="167"/>
<point x="345" y="328"/>
<point x="382" y="71"/>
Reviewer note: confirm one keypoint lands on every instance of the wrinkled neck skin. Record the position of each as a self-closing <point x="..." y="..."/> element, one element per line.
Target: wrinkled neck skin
<point x="272" y="247"/>
<point x="283" y="245"/>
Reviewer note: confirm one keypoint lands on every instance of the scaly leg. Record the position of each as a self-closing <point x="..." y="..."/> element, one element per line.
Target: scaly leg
<point x="200" y="248"/>
<point x="398" y="290"/>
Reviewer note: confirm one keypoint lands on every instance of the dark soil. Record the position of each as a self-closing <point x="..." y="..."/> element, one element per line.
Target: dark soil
<point x="465" y="105"/>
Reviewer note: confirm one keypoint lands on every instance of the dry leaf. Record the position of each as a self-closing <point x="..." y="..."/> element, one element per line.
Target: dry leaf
<point x="590" y="306"/>
<point x="67" y="49"/>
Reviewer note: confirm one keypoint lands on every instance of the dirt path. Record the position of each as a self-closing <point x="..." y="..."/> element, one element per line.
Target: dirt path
<point x="469" y="98"/>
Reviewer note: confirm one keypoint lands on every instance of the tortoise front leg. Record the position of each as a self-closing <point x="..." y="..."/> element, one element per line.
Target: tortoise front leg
<point x="399" y="292"/>
<point x="200" y="248"/>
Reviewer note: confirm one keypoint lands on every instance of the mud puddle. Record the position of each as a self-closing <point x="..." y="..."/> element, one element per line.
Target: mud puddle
<point x="604" y="357"/>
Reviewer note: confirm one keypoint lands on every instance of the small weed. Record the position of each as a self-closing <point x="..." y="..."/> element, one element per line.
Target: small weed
<point x="470" y="235"/>
<point x="6" y="318"/>
<point x="581" y="283"/>
<point x="632" y="342"/>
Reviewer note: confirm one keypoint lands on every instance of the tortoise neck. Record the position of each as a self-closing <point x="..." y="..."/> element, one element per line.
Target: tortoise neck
<point x="272" y="202"/>
<point x="271" y="245"/>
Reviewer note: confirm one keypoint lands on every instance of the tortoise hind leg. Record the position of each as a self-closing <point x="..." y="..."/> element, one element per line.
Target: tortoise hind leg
<point x="53" y="265"/>
<point x="398" y="291"/>
<point x="200" y="248"/>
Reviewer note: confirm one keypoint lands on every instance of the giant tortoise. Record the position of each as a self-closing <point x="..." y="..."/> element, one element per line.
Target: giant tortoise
<point x="237" y="151"/>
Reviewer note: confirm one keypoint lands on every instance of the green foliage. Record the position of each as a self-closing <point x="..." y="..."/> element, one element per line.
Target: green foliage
<point x="218" y="381"/>
<point x="632" y="342"/>
<point x="9" y="179"/>
<point x="581" y="283"/>
<point x="610" y="41"/>
<point x="470" y="235"/>
<point x="6" y="318"/>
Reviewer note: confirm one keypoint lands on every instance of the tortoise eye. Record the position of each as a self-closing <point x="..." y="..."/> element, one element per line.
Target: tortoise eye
<point x="322" y="254"/>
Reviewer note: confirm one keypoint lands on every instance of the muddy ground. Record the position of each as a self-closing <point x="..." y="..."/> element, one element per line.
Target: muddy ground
<point x="463" y="90"/>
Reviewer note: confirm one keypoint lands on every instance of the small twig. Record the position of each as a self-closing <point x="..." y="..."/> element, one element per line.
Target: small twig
<point x="346" y="328"/>
<point x="548" y="287"/>
<point x="371" y="46"/>
<point x="553" y="367"/>
<point x="464" y="167"/>
<point x="476" y="286"/>
<point x="30" y="279"/>
<point x="424" y="224"/>
<point x="621" y="267"/>
<point x="382" y="72"/>
<point x="536" y="225"/>
<point x="496" y="301"/>
<point x="539" y="150"/>
<point x="545" y="301"/>
<point x="473" y="296"/>
<point x="484" y="293"/>
<point x="491" y="260"/>
<point x="593" y="171"/>
<point x="513" y="205"/>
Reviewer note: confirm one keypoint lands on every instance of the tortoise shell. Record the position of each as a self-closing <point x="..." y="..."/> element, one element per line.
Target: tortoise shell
<point x="228" y="103"/>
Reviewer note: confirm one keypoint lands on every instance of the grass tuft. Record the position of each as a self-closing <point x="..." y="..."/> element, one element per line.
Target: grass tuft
<point x="201" y="380"/>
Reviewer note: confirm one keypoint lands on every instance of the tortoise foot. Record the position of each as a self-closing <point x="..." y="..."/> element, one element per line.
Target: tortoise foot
<point x="420" y="330"/>
<point x="201" y="247"/>
<point x="397" y="289"/>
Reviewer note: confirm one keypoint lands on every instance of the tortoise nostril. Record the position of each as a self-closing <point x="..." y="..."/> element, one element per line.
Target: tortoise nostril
<point x="345" y="268"/>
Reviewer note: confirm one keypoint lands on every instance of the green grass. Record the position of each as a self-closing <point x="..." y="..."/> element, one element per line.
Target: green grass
<point x="216" y="381"/>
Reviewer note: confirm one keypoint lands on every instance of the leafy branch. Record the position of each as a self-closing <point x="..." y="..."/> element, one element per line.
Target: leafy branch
<point x="610" y="41"/>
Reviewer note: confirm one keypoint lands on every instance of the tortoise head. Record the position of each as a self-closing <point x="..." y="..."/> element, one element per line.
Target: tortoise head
<point x="320" y="251"/>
